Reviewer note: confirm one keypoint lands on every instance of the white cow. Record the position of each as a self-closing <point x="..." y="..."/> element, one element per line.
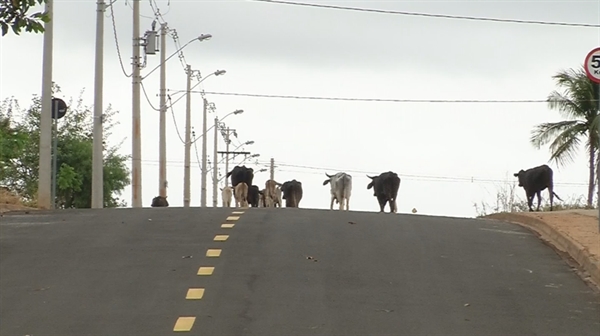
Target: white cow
<point x="226" y="195"/>
<point x="341" y="189"/>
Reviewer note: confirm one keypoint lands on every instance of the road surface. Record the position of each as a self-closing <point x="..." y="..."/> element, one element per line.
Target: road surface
<point x="283" y="272"/>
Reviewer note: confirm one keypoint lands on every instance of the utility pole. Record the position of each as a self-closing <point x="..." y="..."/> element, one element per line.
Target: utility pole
<point x="136" y="145"/>
<point x="162" y="129"/>
<point x="227" y="141"/>
<point x="215" y="165"/>
<point x="204" y="136"/>
<point x="272" y="169"/>
<point x="45" y="164"/>
<point x="188" y="141"/>
<point x="98" y="148"/>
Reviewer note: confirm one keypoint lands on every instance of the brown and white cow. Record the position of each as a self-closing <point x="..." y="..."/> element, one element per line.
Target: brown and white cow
<point x="240" y="193"/>
<point x="271" y="193"/>
<point x="226" y="195"/>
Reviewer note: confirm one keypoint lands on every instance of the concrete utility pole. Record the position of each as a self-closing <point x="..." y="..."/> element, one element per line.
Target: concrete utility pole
<point x="272" y="169"/>
<point x="136" y="143"/>
<point x="204" y="158"/>
<point x="98" y="148"/>
<point x="45" y="162"/>
<point x="188" y="141"/>
<point x="215" y="163"/>
<point x="162" y="130"/>
<point x="227" y="141"/>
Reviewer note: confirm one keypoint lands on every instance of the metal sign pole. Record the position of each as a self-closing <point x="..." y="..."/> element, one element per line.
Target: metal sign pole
<point x="54" y="152"/>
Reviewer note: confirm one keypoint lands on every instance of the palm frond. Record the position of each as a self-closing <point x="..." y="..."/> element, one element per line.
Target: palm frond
<point x="578" y="98"/>
<point x="565" y="145"/>
<point x="542" y="134"/>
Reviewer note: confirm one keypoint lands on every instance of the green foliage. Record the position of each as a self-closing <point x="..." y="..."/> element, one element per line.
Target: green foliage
<point x="19" y="154"/>
<point x="14" y="14"/>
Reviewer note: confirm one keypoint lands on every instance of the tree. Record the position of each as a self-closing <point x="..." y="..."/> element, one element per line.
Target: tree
<point x="19" y="158"/>
<point x="578" y="104"/>
<point x="13" y="13"/>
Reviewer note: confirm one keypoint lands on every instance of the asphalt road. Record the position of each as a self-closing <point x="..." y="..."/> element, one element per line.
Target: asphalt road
<point x="283" y="272"/>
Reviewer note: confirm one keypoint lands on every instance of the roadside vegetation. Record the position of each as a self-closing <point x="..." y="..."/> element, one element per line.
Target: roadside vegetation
<point x="19" y="155"/>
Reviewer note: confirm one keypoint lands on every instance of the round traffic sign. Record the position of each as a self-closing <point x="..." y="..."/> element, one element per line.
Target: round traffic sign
<point x="59" y="108"/>
<point x="592" y="65"/>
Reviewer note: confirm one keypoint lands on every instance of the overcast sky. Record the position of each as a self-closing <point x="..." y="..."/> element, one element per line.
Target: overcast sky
<point x="448" y="155"/>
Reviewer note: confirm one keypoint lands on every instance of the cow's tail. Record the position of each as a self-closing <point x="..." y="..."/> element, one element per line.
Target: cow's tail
<point x="556" y="195"/>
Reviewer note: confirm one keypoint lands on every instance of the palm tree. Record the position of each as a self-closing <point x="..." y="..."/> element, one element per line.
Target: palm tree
<point x="578" y="104"/>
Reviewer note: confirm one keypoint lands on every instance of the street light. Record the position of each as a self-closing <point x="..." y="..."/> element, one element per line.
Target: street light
<point x="218" y="121"/>
<point x="187" y="91"/>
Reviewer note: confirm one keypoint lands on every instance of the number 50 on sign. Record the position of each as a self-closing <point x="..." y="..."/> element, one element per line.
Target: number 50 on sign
<point x="592" y="65"/>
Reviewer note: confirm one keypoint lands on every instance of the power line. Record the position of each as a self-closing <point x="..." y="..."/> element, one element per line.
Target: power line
<point x="380" y="11"/>
<point x="417" y="177"/>
<point x="388" y="100"/>
<point x="114" y="26"/>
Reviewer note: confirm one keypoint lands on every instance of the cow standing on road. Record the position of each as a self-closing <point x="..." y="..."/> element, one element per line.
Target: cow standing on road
<point x="226" y="195"/>
<point x="253" y="196"/>
<point x="240" y="192"/>
<point x="341" y="189"/>
<point x="292" y="193"/>
<point x="240" y="174"/>
<point x="159" y="201"/>
<point x="385" y="188"/>
<point x="271" y="193"/>
<point x="534" y="180"/>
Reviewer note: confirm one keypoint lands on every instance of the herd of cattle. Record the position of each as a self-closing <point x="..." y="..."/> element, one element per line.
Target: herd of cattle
<point x="385" y="188"/>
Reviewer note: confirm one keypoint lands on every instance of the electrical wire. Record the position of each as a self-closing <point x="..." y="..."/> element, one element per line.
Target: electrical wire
<point x="388" y="100"/>
<point x="444" y="16"/>
<point x="114" y="26"/>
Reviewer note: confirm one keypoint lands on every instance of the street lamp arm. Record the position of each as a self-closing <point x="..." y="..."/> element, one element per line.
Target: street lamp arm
<point x="175" y="53"/>
<point x="217" y="73"/>
<point x="220" y="120"/>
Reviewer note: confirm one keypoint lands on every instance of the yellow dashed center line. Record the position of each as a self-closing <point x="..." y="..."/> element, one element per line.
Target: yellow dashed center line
<point x="221" y="238"/>
<point x="206" y="270"/>
<point x="195" y="294"/>
<point x="184" y="323"/>
<point x="213" y="253"/>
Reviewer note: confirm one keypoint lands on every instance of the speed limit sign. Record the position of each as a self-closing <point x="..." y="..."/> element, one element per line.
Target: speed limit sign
<point x="592" y="65"/>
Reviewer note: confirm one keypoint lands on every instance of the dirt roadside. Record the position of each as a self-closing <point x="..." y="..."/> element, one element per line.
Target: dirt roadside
<point x="571" y="231"/>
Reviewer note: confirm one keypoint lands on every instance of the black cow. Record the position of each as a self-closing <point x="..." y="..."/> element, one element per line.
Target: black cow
<point x="292" y="193"/>
<point x="240" y="174"/>
<point x="534" y="180"/>
<point x="159" y="201"/>
<point x="253" y="196"/>
<point x="385" y="188"/>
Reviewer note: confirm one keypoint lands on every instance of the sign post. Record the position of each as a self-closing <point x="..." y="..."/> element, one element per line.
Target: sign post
<point x="59" y="109"/>
<point x="592" y="69"/>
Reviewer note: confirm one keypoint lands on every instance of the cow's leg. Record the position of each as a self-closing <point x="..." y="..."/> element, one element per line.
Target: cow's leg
<point x="340" y="198"/>
<point x="382" y="202"/>
<point x="331" y="203"/>
<point x="530" y="200"/>
<point x="551" y="191"/>
<point x="539" y="197"/>
<point x="347" y="203"/>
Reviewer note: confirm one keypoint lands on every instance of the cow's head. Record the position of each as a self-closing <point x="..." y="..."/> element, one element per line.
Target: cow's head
<point x="521" y="176"/>
<point x="373" y="180"/>
<point x="160" y="201"/>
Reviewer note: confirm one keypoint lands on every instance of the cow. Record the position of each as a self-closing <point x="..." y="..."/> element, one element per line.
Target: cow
<point x="292" y="193"/>
<point x="385" y="188"/>
<point x="270" y="193"/>
<point x="341" y="189"/>
<point x="226" y="195"/>
<point x="534" y="181"/>
<point x="277" y="198"/>
<point x="262" y="203"/>
<point x="159" y="201"/>
<point x="241" y="174"/>
<point x="240" y="192"/>
<point x="253" y="196"/>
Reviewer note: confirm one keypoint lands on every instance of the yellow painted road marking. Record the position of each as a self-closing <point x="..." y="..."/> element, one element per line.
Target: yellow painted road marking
<point x="227" y="226"/>
<point x="184" y="323"/>
<point x="233" y="218"/>
<point x="213" y="252"/>
<point x="195" y="293"/>
<point x="221" y="237"/>
<point x="206" y="270"/>
<point x="237" y="213"/>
